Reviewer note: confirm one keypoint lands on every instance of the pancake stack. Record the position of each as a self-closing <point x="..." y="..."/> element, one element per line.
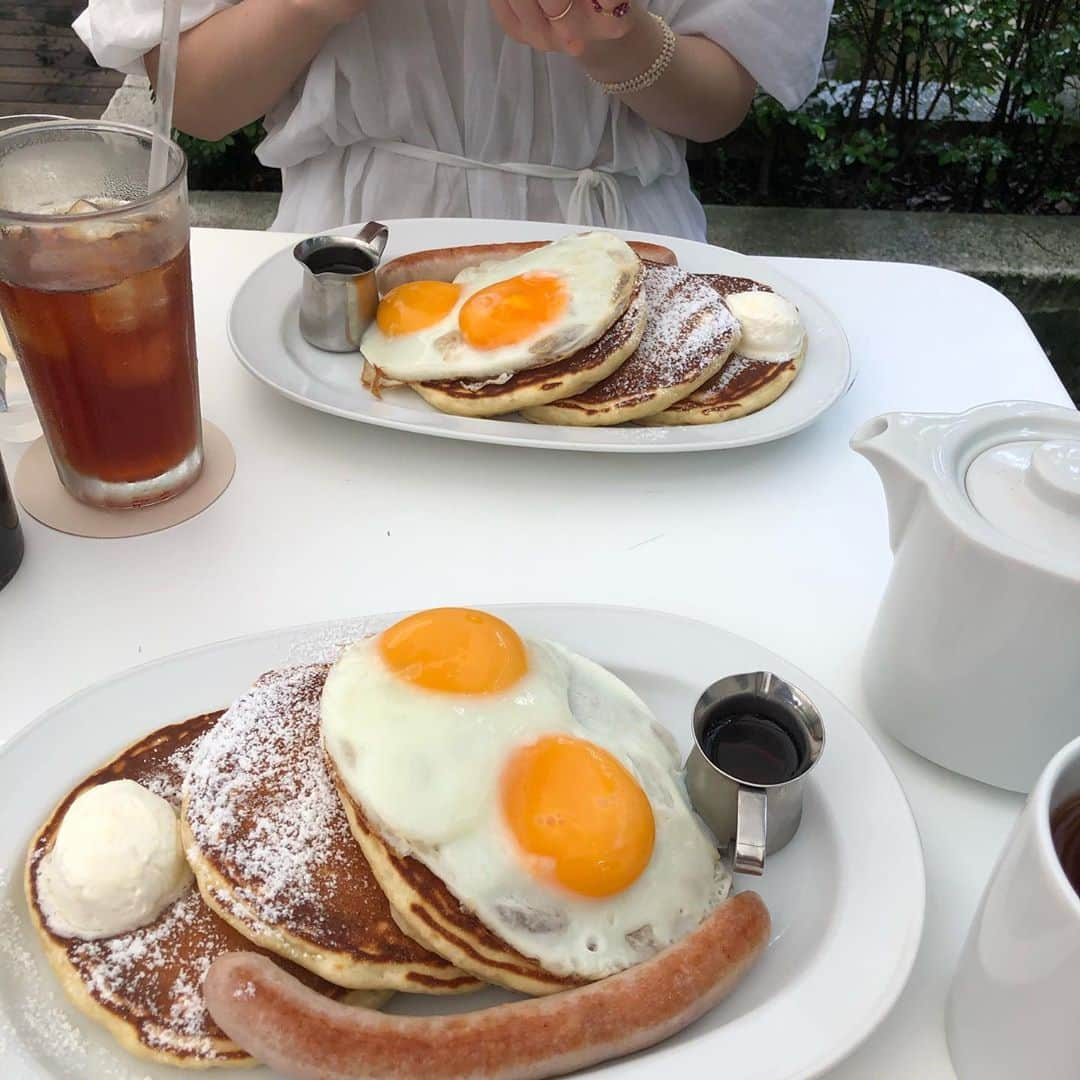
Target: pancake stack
<point x="289" y="863"/>
<point x="689" y="336"/>
<point x="669" y="356"/>
<point x="276" y="868"/>
<point x="144" y="987"/>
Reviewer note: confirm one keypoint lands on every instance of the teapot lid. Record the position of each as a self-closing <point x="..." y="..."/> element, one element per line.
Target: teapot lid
<point x="1029" y="489"/>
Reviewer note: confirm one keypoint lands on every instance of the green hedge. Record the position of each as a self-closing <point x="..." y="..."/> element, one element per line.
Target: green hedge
<point x="230" y="163"/>
<point x="927" y="104"/>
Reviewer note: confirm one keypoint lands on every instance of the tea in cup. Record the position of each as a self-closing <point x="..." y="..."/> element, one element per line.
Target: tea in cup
<point x="1012" y="1010"/>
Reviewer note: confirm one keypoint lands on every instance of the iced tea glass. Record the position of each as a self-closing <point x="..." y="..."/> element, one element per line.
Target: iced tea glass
<point x="95" y="289"/>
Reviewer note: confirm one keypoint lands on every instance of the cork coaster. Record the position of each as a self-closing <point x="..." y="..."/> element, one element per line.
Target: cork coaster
<point x="43" y="497"/>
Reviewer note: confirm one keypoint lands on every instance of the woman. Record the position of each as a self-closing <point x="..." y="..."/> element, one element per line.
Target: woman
<point x="553" y="110"/>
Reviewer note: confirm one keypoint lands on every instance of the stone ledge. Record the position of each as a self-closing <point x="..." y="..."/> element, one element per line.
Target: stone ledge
<point x="1035" y="261"/>
<point x="233" y="209"/>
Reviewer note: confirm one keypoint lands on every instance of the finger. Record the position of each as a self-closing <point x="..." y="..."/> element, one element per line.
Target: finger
<point x="509" y="22"/>
<point x="533" y="21"/>
<point x="583" y="24"/>
<point x="571" y="31"/>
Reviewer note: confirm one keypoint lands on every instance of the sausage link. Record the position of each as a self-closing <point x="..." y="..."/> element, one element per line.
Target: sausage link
<point x="444" y="264"/>
<point x="289" y="1027"/>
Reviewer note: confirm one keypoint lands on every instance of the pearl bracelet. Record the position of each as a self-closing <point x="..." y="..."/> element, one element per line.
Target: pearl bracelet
<point x="652" y="73"/>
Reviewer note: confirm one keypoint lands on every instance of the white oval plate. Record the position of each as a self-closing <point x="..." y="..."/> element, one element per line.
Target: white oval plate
<point x="846" y="896"/>
<point x="264" y="331"/>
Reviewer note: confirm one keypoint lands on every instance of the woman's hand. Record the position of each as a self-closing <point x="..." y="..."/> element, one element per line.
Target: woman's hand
<point x="543" y="25"/>
<point x="702" y="94"/>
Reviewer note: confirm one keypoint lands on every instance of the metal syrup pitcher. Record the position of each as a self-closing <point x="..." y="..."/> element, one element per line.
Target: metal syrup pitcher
<point x="339" y="295"/>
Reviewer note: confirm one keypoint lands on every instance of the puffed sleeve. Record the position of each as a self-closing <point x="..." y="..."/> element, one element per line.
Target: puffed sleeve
<point x="119" y="32"/>
<point x="780" y="42"/>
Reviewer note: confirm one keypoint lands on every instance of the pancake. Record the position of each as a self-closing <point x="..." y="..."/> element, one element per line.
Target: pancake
<point x="689" y="336"/>
<point x="549" y="382"/>
<point x="272" y="851"/>
<point x="426" y="909"/>
<point x="145" y="986"/>
<point x="744" y="386"/>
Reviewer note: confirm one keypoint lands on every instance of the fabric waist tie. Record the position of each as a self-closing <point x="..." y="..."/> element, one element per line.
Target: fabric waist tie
<point x="608" y="209"/>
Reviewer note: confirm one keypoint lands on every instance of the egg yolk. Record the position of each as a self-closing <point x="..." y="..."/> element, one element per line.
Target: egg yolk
<point x="454" y="651"/>
<point x="579" y="818"/>
<point x="512" y="310"/>
<point x="414" y="306"/>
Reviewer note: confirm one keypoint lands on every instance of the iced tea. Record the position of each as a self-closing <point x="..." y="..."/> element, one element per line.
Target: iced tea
<point x="96" y="294"/>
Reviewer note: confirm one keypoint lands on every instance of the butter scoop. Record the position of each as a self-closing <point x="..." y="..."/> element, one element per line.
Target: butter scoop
<point x="771" y="328"/>
<point x="116" y="864"/>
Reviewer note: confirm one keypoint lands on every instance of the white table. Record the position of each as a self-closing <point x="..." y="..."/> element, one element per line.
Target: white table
<point x="326" y="518"/>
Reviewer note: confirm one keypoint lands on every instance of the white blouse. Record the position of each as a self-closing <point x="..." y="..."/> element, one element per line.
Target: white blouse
<point x="424" y="108"/>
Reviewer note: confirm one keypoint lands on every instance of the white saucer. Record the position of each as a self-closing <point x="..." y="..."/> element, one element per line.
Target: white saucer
<point x="846" y="896"/>
<point x="264" y="332"/>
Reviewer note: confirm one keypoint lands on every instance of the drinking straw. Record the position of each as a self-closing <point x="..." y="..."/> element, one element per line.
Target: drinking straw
<point x="166" y="86"/>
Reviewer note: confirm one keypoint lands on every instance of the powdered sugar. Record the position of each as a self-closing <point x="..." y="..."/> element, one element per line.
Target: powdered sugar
<point x="146" y="966"/>
<point x="738" y="377"/>
<point x="688" y="326"/>
<point x="36" y="1023"/>
<point x="278" y="841"/>
<point x="323" y="644"/>
<point x="685" y="317"/>
<point x="263" y="810"/>
<point x="167" y="783"/>
<point x="734" y="368"/>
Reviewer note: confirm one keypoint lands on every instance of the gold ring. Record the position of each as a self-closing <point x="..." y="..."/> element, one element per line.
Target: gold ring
<point x="562" y="14"/>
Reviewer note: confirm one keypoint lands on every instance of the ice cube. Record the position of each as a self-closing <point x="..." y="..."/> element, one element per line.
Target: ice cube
<point x="116" y="310"/>
<point x="153" y="291"/>
<point x="146" y="359"/>
<point x="137" y="303"/>
<point x="106" y="229"/>
<point x="82" y="206"/>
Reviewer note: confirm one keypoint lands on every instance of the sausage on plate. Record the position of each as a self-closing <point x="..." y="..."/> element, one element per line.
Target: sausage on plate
<point x="281" y="1022"/>
<point x="444" y="264"/>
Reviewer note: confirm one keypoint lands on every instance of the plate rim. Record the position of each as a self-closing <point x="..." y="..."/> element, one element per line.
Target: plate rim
<point x="900" y="972"/>
<point x="538" y="439"/>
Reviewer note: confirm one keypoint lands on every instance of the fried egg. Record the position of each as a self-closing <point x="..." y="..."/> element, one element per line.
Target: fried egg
<point x="501" y="317"/>
<point x="533" y="782"/>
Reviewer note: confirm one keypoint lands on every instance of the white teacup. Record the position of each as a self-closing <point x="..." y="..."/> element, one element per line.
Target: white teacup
<point x="1013" y="1008"/>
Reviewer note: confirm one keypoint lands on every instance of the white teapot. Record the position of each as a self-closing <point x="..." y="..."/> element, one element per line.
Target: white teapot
<point x="974" y="659"/>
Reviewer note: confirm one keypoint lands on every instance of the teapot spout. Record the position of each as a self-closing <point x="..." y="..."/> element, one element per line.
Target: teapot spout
<point x="894" y="445"/>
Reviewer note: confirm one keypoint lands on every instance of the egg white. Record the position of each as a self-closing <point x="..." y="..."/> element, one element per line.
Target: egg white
<point x="598" y="271"/>
<point x="425" y="767"/>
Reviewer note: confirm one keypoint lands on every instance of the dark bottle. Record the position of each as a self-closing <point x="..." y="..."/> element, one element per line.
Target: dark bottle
<point x="11" y="539"/>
